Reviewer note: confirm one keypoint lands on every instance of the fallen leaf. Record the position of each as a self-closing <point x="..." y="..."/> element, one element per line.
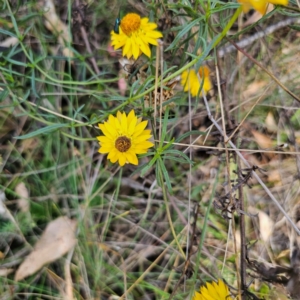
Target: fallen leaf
<point x="9" y="42"/>
<point x="5" y="272"/>
<point x="264" y="142"/>
<point x="23" y="202"/>
<point x="57" y="239"/>
<point x="2" y="205"/>
<point x="275" y="177"/>
<point x="284" y="254"/>
<point x="271" y="123"/>
<point x="266" y="226"/>
<point x="253" y="89"/>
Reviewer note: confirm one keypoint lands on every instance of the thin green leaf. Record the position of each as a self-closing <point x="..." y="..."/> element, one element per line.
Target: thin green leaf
<point x="177" y="152"/>
<point x="186" y="28"/>
<point x="3" y="95"/>
<point x="179" y="160"/>
<point x="187" y="134"/>
<point x="33" y="83"/>
<point x="165" y="174"/>
<point x="148" y="166"/>
<point x="44" y="130"/>
<point x="167" y="146"/>
<point x="295" y="27"/>
<point x="5" y="32"/>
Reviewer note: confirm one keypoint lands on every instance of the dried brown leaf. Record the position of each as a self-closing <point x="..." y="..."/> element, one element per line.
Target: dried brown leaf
<point x="263" y="141"/>
<point x="271" y="123"/>
<point x="9" y="42"/>
<point x="2" y="205"/>
<point x="254" y="88"/>
<point x="23" y="202"/>
<point x="5" y="272"/>
<point x="275" y="177"/>
<point x="57" y="239"/>
<point x="266" y="226"/>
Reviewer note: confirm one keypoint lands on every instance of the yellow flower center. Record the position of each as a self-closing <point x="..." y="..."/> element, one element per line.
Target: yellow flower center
<point x="204" y="71"/>
<point x="123" y="143"/>
<point x="130" y="23"/>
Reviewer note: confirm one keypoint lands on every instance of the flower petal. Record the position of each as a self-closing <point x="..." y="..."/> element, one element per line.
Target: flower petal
<point x="131" y="158"/>
<point x="135" y="35"/>
<point x="124" y="136"/>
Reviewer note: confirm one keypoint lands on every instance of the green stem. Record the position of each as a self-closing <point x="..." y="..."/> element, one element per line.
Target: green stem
<point x="228" y="26"/>
<point x="168" y="211"/>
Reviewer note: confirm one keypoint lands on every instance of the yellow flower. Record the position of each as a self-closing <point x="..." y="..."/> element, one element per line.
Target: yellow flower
<point x="260" y="5"/>
<point x="135" y="35"/>
<point x="124" y="137"/>
<point x="190" y="81"/>
<point x="213" y="291"/>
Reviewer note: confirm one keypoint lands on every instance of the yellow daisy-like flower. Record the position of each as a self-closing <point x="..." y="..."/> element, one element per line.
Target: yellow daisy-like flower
<point x="124" y="137"/>
<point x="135" y="35"/>
<point x="213" y="291"/>
<point x="260" y="5"/>
<point x="190" y="81"/>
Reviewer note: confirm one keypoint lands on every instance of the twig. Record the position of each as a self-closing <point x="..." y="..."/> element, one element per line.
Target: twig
<point x="249" y="40"/>
<point x="243" y="234"/>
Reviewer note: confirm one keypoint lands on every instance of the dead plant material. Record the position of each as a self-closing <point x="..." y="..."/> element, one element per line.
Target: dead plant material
<point x="23" y="202"/>
<point x="164" y="97"/>
<point x="274" y="274"/>
<point x="133" y="70"/>
<point x="55" y="25"/>
<point x="289" y="276"/>
<point x="229" y="203"/>
<point x="57" y="239"/>
<point x="79" y="16"/>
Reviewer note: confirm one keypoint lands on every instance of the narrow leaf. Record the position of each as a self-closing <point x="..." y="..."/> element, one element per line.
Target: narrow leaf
<point x="44" y="130"/>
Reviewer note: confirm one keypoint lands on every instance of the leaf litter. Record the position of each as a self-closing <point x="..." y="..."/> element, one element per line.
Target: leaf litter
<point x="57" y="239"/>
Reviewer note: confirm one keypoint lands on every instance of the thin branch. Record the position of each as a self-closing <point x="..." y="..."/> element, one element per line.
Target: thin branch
<point x="251" y="39"/>
<point x="243" y="233"/>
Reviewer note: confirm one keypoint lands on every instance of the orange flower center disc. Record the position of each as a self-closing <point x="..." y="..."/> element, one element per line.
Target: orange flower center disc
<point x="130" y="23"/>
